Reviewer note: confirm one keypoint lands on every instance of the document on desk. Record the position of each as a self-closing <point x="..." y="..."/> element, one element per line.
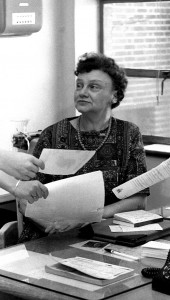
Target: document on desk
<point x="96" y="268"/>
<point x="79" y="198"/>
<point x="64" y="162"/>
<point x="147" y="179"/>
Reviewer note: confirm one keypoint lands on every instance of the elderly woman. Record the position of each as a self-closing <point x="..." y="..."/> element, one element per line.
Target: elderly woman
<point x="100" y="87"/>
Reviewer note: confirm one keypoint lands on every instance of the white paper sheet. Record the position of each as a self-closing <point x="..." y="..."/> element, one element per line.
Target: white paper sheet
<point x="121" y="228"/>
<point x="78" y="198"/>
<point x="143" y="181"/>
<point x="64" y="162"/>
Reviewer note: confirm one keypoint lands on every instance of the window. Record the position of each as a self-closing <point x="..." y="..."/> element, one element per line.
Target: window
<point x="137" y="35"/>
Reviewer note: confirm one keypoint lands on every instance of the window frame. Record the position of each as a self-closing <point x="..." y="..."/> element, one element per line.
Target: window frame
<point x="155" y="73"/>
<point x="149" y="73"/>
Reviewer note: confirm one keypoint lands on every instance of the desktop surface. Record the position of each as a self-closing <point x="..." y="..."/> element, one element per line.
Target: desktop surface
<point x="22" y="272"/>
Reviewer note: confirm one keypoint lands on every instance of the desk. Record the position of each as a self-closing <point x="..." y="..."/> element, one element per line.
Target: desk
<point x="11" y="288"/>
<point x="22" y="291"/>
<point x="158" y="149"/>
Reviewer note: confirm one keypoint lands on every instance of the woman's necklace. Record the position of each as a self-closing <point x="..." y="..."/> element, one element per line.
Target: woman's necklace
<point x="105" y="139"/>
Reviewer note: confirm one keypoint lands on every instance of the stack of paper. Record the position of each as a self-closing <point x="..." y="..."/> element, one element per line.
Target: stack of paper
<point x="156" y="249"/>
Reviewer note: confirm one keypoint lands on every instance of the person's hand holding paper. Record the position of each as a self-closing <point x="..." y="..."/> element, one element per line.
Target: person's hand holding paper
<point x="77" y="199"/>
<point x="153" y="176"/>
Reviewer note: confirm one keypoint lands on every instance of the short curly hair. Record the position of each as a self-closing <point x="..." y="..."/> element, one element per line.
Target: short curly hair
<point x="97" y="61"/>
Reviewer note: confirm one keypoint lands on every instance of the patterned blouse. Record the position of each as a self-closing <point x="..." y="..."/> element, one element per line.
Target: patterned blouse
<point x="120" y="159"/>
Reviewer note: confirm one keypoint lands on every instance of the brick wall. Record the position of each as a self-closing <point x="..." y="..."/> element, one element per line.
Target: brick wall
<point x="137" y="35"/>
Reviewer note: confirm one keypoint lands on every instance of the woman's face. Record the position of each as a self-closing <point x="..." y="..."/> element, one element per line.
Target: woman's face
<point x="94" y="92"/>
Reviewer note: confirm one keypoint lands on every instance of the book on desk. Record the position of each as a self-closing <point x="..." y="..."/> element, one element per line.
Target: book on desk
<point x="136" y="218"/>
<point x="101" y="231"/>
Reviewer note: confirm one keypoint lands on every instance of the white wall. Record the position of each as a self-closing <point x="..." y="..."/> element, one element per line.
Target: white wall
<point x="86" y="26"/>
<point x="36" y="72"/>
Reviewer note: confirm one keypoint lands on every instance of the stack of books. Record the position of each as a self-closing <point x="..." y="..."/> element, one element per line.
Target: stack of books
<point x="156" y="249"/>
<point x="136" y="218"/>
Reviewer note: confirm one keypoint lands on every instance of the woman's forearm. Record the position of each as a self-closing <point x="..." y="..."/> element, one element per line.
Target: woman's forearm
<point x="131" y="203"/>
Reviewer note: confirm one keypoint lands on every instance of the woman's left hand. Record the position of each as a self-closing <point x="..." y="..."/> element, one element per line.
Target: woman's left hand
<point x="62" y="225"/>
